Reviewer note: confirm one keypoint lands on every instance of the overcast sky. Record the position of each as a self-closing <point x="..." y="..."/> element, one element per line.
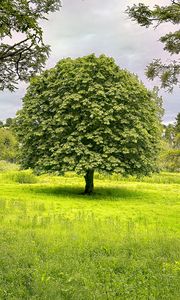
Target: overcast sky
<point x="100" y="26"/>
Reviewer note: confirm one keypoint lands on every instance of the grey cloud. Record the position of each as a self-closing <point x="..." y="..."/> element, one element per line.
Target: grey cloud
<point x="92" y="26"/>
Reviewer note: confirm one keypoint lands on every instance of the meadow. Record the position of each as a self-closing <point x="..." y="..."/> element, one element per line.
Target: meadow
<point x="120" y="243"/>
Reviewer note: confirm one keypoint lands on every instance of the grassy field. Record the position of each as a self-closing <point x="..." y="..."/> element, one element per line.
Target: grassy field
<point x="121" y="243"/>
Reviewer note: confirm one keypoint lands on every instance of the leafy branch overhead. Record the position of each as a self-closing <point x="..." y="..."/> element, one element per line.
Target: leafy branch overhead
<point x="21" y="60"/>
<point x="169" y="72"/>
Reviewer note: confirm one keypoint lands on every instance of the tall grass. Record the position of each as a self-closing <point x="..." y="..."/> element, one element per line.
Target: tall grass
<point x="120" y="243"/>
<point x="7" y="166"/>
<point x="163" y="177"/>
<point x="26" y="176"/>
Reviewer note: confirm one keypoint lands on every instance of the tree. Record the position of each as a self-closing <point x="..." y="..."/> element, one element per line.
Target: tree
<point x="177" y="124"/>
<point x="177" y="132"/>
<point x="170" y="160"/>
<point x="8" y="145"/>
<point x="177" y="141"/>
<point x="1" y="124"/>
<point x="24" y="58"/>
<point x="168" y="73"/>
<point x="169" y="134"/>
<point x="87" y="115"/>
<point x="9" y="122"/>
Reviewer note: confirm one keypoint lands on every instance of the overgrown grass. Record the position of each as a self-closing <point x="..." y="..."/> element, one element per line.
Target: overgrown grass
<point x="26" y="176"/>
<point x="7" y="166"/>
<point x="121" y="243"/>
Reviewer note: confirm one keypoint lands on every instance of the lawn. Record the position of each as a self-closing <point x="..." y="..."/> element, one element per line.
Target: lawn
<point x="123" y="242"/>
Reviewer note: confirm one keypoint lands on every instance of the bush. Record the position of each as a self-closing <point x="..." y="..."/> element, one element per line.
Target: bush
<point x="22" y="177"/>
<point x="7" y="166"/>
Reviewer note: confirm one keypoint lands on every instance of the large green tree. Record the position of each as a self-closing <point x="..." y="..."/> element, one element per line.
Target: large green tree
<point x="87" y="115"/>
<point x="19" y="20"/>
<point x="145" y="16"/>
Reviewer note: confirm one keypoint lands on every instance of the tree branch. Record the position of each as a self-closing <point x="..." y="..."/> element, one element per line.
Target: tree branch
<point x="174" y="2"/>
<point x="4" y="54"/>
<point x="17" y="65"/>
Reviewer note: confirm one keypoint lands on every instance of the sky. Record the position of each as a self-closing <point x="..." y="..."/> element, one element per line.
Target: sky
<point x="82" y="27"/>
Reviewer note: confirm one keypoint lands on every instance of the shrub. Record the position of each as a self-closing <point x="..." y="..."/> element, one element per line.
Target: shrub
<point x="22" y="176"/>
<point x="7" y="166"/>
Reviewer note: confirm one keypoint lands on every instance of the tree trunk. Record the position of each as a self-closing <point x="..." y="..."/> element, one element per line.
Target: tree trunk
<point x="89" y="182"/>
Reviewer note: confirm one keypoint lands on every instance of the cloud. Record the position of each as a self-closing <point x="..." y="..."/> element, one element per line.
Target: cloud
<point x="91" y="26"/>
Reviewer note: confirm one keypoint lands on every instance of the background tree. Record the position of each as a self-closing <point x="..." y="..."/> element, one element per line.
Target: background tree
<point x="9" y="122"/>
<point x="177" y="141"/>
<point x="169" y="134"/>
<point x="177" y="132"/>
<point x="8" y="145"/>
<point x="1" y="124"/>
<point x="87" y="115"/>
<point x="169" y="158"/>
<point x="24" y="58"/>
<point x="177" y="124"/>
<point x="168" y="73"/>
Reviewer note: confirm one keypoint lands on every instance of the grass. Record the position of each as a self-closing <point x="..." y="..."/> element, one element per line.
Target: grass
<point x="7" y="166"/>
<point x="121" y="243"/>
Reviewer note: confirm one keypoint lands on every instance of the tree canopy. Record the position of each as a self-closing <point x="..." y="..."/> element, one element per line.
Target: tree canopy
<point x="167" y="72"/>
<point x="24" y="58"/>
<point x="9" y="122"/>
<point x="87" y="114"/>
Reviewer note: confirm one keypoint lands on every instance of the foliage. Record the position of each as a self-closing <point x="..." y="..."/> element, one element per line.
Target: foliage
<point x="7" y="166"/>
<point x="9" y="122"/>
<point x="88" y="114"/>
<point x="177" y="124"/>
<point x="56" y="244"/>
<point x="26" y="57"/>
<point x="8" y="145"/>
<point x="177" y="141"/>
<point x="26" y="176"/>
<point x="169" y="134"/>
<point x="170" y="160"/>
<point x="168" y="73"/>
